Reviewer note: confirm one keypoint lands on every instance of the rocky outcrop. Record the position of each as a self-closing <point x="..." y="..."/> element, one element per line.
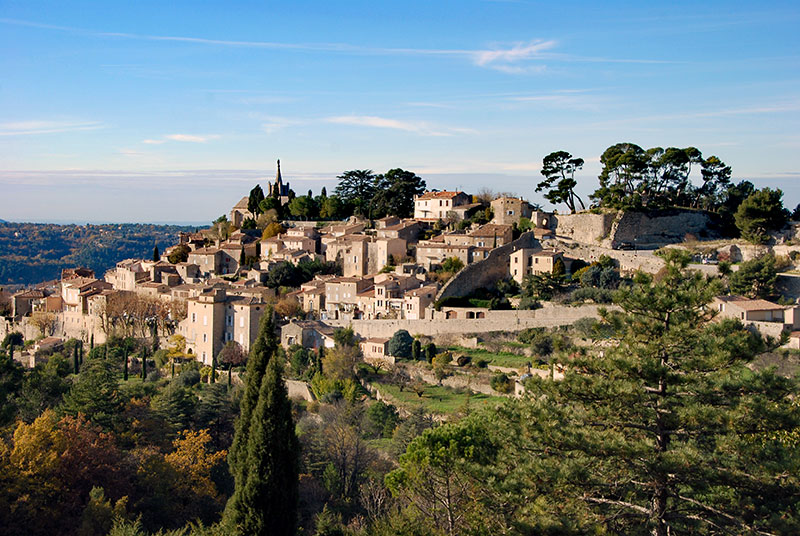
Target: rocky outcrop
<point x="640" y="229"/>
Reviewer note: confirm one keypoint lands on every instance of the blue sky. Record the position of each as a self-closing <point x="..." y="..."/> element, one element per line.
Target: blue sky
<point x="171" y="111"/>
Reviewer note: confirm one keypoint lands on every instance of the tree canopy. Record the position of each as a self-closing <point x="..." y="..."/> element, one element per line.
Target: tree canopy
<point x="559" y="170"/>
<point x="761" y="212"/>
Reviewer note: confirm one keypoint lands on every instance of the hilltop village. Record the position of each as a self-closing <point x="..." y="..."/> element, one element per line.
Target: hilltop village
<point x="459" y="265"/>
<point x="405" y="358"/>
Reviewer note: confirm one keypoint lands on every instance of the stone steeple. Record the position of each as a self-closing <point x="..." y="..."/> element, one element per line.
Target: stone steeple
<point x="278" y="179"/>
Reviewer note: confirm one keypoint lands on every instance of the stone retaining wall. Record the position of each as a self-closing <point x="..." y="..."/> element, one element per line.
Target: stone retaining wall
<point x="506" y="321"/>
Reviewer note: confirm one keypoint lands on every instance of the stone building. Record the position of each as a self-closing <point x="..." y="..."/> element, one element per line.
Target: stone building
<point x="433" y="206"/>
<point x="527" y="261"/>
<point x="217" y="316"/>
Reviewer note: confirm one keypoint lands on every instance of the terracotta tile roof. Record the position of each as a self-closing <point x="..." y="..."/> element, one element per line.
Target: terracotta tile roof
<point x="377" y="340"/>
<point x="547" y="253"/>
<point x="439" y="195"/>
<point x="422" y="290"/>
<point x="204" y="251"/>
<point x="758" y="305"/>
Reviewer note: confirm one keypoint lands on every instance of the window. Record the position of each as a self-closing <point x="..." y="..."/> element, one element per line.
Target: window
<point x="194" y="317"/>
<point x="241" y="321"/>
<point x="205" y="337"/>
<point x="205" y="320"/>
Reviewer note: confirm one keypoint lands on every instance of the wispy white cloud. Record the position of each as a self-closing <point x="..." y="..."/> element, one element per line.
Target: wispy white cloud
<point x="515" y="53"/>
<point x="423" y="128"/>
<point x="190" y="138"/>
<point x="504" y="58"/>
<point x="27" y="128"/>
<point x="274" y="124"/>
<point x="130" y="152"/>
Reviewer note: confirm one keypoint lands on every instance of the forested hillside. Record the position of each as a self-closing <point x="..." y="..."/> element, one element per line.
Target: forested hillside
<point x="34" y="252"/>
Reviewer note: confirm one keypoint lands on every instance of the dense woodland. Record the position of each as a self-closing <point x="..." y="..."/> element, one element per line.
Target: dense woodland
<point x="34" y="252"/>
<point x="668" y="430"/>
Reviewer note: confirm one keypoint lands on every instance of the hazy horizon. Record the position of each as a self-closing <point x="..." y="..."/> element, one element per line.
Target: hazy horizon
<point x="109" y="113"/>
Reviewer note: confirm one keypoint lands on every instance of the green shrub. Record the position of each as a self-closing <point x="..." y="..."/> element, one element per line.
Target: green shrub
<point x="501" y="383"/>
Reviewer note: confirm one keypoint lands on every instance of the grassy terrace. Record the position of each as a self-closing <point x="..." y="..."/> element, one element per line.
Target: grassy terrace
<point x="437" y="399"/>
<point x="501" y="359"/>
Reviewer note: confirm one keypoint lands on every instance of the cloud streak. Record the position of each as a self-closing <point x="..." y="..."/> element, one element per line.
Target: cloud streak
<point x="187" y="138"/>
<point x="504" y="58"/>
<point x="35" y="127"/>
<point x="423" y="128"/>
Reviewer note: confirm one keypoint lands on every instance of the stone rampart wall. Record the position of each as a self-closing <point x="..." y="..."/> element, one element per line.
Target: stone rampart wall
<point x="486" y="272"/>
<point x="640" y="228"/>
<point x="661" y="228"/>
<point x="586" y="227"/>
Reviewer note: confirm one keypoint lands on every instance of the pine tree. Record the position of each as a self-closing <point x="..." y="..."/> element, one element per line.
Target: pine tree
<point x="669" y="432"/>
<point x="95" y="393"/>
<point x="264" y="347"/>
<point x="265" y="499"/>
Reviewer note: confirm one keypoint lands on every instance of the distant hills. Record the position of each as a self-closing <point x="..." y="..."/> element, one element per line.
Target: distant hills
<point x="34" y="252"/>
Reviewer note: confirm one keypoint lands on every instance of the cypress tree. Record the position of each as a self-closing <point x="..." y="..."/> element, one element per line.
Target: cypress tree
<point x="91" y="342"/>
<point x="265" y="499"/>
<point x="76" y="364"/>
<point x="125" y="370"/>
<point x="156" y="255"/>
<point x="430" y="352"/>
<point x="230" y="368"/>
<point x="11" y="351"/>
<point x="213" y="370"/>
<point x="263" y="348"/>
<point x="144" y="364"/>
<point x="416" y="350"/>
